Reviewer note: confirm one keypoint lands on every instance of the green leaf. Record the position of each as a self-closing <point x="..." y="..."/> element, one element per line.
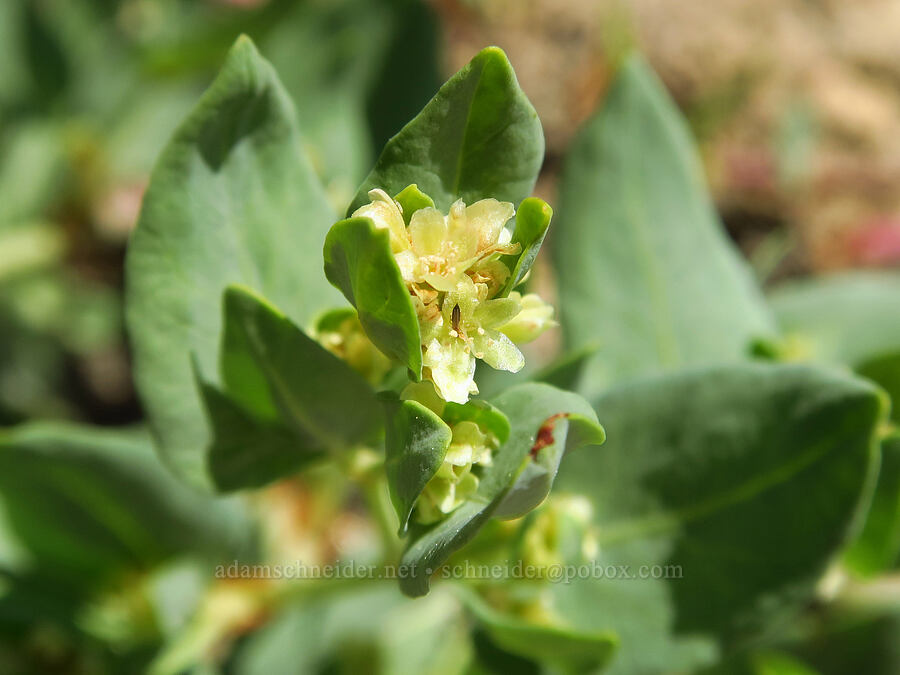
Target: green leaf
<point x="527" y="407"/>
<point x="359" y="262"/>
<point x="415" y="444"/>
<point x="847" y="318"/>
<point x="268" y="361"/>
<point x="740" y="484"/>
<point x="532" y="221"/>
<point x="232" y="200"/>
<point x="247" y="452"/>
<point x="884" y="370"/>
<point x="644" y="264"/>
<point x="479" y="137"/>
<point x="411" y="199"/>
<point x="89" y="504"/>
<point x="535" y="480"/>
<point x="877" y="549"/>
<point x="481" y="413"/>
<point x="565" y="648"/>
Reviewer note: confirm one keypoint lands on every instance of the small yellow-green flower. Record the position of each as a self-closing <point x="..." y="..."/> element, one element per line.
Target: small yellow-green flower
<point x="349" y="342"/>
<point x="452" y="266"/>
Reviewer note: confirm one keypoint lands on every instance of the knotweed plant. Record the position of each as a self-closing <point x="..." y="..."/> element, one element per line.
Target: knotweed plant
<point x="370" y="351"/>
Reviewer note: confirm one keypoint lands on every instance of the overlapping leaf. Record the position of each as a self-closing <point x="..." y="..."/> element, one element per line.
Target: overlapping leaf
<point x="232" y="200"/>
<point x="479" y="137"/>
<point x="531" y="410"/>
<point x="644" y="265"/>
<point x="730" y="490"/>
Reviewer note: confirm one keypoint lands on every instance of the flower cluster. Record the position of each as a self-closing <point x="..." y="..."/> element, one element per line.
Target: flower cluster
<point x="454" y="270"/>
<point x="341" y="333"/>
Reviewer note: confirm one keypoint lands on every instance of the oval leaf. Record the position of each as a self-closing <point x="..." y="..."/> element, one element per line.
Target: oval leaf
<point x="847" y="318"/>
<point x="91" y="505"/>
<point x="643" y="262"/>
<point x="479" y="137"/>
<point x="359" y="262"/>
<point x="415" y="444"/>
<point x="232" y="199"/>
<point x="731" y="489"/>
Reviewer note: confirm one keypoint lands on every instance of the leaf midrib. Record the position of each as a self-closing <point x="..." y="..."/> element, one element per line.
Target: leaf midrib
<point x="669" y="521"/>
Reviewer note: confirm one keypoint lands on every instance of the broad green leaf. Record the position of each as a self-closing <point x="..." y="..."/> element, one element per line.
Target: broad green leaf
<point x="565" y="648"/>
<point x="246" y="451"/>
<point x="739" y="484"/>
<point x="532" y="220"/>
<point x="415" y="444"/>
<point x="271" y="365"/>
<point x="89" y="504"/>
<point x="232" y="200"/>
<point x="644" y="265"/>
<point x="877" y="549"/>
<point x="359" y="262"/>
<point x="479" y="137"/>
<point x="528" y="407"/>
<point x="848" y="318"/>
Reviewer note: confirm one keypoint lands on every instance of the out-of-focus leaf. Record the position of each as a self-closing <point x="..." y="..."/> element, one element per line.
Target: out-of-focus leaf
<point x="847" y="318"/>
<point x="531" y="409"/>
<point x="644" y="265"/>
<point x="877" y="549"/>
<point x="394" y="636"/>
<point x="87" y="504"/>
<point x="359" y="262"/>
<point x="31" y="163"/>
<point x="885" y="371"/>
<point x="730" y="489"/>
<point x="232" y="200"/>
<point x="479" y="137"/>
<point x="566" y="648"/>
<point x="766" y="662"/>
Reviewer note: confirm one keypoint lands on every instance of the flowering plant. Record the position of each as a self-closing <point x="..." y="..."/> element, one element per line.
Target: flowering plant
<point x="273" y="338"/>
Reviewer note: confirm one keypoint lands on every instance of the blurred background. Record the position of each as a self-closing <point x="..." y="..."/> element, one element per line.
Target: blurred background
<point x="795" y="106"/>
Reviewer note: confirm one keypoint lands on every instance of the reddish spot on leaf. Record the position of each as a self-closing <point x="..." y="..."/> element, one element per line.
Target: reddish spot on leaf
<point x="545" y="435"/>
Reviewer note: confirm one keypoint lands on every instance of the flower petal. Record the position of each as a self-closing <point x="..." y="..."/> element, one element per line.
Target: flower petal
<point x="487" y="218"/>
<point x="536" y="317"/>
<point x="452" y="369"/>
<point x="498" y="351"/>
<point x="385" y="213"/>
<point x="427" y="231"/>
